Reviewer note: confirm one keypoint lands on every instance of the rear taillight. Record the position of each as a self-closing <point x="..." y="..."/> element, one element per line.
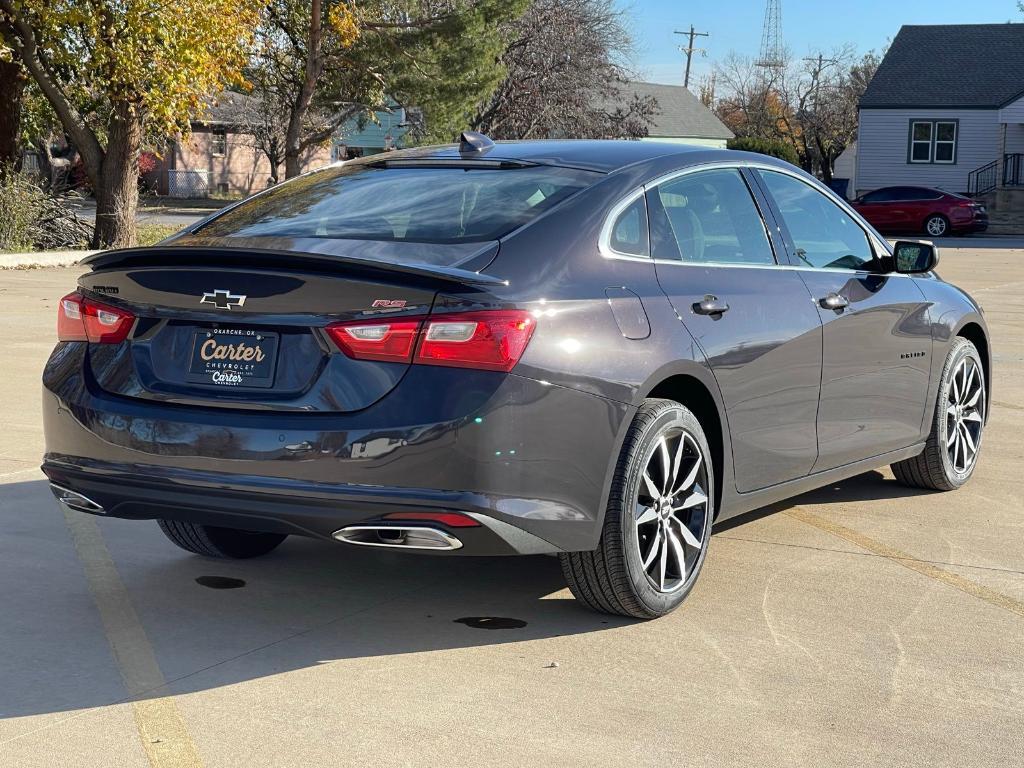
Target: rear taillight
<point x="82" y="319"/>
<point x="492" y="340"/>
<point x="387" y="341"/>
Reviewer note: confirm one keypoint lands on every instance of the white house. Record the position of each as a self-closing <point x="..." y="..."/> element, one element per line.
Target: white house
<point x="945" y="110"/>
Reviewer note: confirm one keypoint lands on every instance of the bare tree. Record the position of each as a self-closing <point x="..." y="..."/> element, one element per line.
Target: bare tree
<point x="752" y="104"/>
<point x="567" y="69"/>
<point x="810" y="104"/>
<point x="263" y="124"/>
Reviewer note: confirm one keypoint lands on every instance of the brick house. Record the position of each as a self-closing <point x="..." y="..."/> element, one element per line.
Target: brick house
<point x="221" y="157"/>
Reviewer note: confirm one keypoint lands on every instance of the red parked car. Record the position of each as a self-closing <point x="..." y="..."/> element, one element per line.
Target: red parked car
<point x="920" y="209"/>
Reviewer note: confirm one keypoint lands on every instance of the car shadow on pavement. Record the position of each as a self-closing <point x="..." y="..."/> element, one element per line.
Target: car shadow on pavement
<point x="306" y="604"/>
<point x="866" y="487"/>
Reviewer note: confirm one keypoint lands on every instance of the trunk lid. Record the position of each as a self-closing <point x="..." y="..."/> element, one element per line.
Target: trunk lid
<point x="226" y="328"/>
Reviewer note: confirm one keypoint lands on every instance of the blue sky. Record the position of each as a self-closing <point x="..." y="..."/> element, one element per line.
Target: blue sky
<point x="806" y="24"/>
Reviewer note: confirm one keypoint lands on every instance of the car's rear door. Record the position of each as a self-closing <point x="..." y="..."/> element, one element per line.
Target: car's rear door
<point x="752" y="318"/>
<point x="876" y="330"/>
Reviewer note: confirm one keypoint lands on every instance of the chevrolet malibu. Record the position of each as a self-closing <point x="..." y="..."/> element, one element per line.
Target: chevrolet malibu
<point x="595" y="350"/>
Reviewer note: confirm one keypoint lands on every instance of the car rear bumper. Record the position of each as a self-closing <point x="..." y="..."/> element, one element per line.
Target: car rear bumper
<point x="306" y="509"/>
<point x="530" y="461"/>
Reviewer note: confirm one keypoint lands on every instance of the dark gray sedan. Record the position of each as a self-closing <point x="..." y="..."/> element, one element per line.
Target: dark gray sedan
<point x="590" y="349"/>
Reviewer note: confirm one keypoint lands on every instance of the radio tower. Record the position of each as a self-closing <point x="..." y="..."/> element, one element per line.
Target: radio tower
<point x="772" y="58"/>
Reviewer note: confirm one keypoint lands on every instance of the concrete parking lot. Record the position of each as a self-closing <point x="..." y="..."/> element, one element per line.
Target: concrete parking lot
<point x="863" y="624"/>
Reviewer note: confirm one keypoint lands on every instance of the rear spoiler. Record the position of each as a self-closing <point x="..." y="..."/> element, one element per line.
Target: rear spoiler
<point x="174" y="255"/>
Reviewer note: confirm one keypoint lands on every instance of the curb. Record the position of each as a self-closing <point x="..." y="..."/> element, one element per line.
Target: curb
<point x="42" y="259"/>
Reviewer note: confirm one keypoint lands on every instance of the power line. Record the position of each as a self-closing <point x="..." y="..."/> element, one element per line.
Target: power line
<point x="690" y="50"/>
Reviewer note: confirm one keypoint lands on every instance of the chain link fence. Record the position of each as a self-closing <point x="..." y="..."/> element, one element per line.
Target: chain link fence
<point x="188" y="183"/>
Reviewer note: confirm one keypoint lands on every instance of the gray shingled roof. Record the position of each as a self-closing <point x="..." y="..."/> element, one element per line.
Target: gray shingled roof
<point x="950" y="65"/>
<point x="680" y="114"/>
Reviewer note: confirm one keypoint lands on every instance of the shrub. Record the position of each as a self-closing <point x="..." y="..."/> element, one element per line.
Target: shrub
<point x="22" y="204"/>
<point x="34" y="220"/>
<point x="772" y="147"/>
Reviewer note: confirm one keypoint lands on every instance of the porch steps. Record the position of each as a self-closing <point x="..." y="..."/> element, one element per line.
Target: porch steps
<point x="1005" y="210"/>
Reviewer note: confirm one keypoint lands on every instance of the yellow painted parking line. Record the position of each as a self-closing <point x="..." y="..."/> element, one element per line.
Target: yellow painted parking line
<point x="991" y="596"/>
<point x="161" y="728"/>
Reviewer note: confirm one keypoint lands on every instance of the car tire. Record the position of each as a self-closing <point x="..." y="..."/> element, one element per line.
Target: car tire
<point x="211" y="541"/>
<point x="958" y="424"/>
<point x="937" y="225"/>
<point x="645" y="563"/>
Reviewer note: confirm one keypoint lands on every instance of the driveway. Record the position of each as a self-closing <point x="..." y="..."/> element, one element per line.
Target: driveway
<point x="163" y="215"/>
<point x="863" y="624"/>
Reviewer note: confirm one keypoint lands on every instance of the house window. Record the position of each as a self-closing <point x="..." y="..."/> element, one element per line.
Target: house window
<point x="933" y="141"/>
<point x="920" y="142"/>
<point x="219" y="143"/>
<point x="945" y="142"/>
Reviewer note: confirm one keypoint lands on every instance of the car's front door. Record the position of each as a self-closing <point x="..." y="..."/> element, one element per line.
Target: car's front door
<point x="876" y="332"/>
<point x="877" y="207"/>
<point x="752" y="318"/>
<point x="909" y="211"/>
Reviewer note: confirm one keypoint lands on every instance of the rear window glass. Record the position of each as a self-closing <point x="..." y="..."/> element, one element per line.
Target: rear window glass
<point x="425" y="204"/>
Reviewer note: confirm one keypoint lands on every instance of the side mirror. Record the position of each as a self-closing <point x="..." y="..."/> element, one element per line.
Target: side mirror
<point x="915" y="256"/>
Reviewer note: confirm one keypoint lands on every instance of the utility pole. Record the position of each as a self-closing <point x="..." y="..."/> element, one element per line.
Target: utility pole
<point x="690" y="50"/>
<point x="820" y="61"/>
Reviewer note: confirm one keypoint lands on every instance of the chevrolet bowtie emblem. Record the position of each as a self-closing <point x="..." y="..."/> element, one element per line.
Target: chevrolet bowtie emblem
<point x="222" y="299"/>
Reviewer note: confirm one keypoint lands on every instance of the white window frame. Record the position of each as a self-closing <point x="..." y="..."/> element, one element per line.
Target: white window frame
<point x="936" y="141"/>
<point x="933" y="141"/>
<point x="914" y="142"/>
<point x="215" y="134"/>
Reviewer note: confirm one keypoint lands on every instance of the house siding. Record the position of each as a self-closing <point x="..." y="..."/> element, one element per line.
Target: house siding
<point x="882" y="148"/>
<point x="1015" y="138"/>
<point x="1013" y="112"/>
<point x="692" y="141"/>
<point x="1013" y="116"/>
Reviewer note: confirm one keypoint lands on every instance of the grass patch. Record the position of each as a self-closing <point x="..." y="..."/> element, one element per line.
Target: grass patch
<point x="150" y="234"/>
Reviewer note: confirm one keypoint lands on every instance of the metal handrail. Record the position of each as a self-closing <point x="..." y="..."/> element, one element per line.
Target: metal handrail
<point x="1007" y="171"/>
<point x="983" y="179"/>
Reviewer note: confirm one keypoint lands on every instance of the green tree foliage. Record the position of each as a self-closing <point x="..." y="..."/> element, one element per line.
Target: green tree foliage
<point x="773" y="147"/>
<point x="320" y="63"/>
<point x="115" y="71"/>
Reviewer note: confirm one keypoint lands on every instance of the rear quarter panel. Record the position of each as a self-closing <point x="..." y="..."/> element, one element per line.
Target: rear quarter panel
<point x="555" y="268"/>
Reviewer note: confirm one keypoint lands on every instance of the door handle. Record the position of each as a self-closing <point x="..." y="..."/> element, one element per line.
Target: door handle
<point x="834" y="301"/>
<point x="711" y="305"/>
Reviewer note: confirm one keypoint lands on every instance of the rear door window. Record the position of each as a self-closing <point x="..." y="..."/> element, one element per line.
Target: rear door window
<point x="629" y="230"/>
<point x="708" y="217"/>
<point x="880" y="196"/>
<point x="411" y="203"/>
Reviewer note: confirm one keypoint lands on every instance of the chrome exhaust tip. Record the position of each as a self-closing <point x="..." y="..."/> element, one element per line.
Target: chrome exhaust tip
<point x="398" y="537"/>
<point x="76" y="501"/>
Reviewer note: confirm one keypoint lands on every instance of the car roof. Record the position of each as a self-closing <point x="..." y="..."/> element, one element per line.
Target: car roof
<point x="909" y="186"/>
<point x="596" y="155"/>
